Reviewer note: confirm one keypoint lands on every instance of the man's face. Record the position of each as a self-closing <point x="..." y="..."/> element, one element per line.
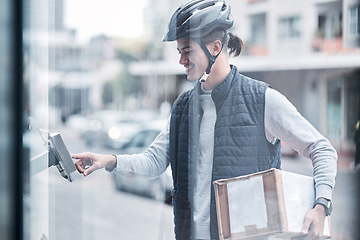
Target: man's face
<point x="193" y="58"/>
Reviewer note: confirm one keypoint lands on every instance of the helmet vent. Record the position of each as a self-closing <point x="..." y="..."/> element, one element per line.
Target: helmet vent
<point x="182" y="19"/>
<point x="186" y="7"/>
<point x="206" y="5"/>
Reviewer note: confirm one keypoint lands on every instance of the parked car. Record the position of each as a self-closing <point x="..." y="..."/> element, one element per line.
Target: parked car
<point x="157" y="188"/>
<point x="110" y="128"/>
<point x="119" y="132"/>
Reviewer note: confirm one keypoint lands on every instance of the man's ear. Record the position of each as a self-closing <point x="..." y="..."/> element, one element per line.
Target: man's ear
<point x="216" y="47"/>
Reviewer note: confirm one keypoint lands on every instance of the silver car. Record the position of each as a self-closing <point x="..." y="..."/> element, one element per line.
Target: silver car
<point x="157" y="188"/>
<point x="110" y="128"/>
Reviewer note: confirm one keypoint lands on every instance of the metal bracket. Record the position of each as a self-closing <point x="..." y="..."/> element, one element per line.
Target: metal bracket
<point x="57" y="155"/>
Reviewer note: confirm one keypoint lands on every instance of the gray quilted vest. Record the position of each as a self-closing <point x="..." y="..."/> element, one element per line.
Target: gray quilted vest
<point x="240" y="147"/>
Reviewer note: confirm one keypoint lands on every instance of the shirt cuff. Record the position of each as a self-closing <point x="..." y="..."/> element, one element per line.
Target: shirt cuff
<point x="114" y="169"/>
<point x="324" y="191"/>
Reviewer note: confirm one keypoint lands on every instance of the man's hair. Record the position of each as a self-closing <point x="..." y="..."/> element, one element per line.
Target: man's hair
<point x="232" y="43"/>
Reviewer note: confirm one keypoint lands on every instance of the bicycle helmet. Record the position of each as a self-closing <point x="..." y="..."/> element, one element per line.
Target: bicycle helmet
<point x="198" y="18"/>
<point x="195" y="20"/>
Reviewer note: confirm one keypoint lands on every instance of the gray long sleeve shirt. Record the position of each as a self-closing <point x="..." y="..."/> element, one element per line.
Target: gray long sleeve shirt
<point x="282" y="122"/>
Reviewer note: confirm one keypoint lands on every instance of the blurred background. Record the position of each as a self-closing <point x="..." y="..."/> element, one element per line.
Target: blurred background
<point x="97" y="72"/>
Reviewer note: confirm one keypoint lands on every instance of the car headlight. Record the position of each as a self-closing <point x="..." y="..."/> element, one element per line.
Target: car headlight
<point x="114" y="133"/>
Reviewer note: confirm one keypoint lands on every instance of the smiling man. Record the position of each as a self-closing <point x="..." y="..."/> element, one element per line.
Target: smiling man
<point x="228" y="125"/>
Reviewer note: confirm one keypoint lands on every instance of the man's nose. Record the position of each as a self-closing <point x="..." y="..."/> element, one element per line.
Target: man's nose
<point x="183" y="59"/>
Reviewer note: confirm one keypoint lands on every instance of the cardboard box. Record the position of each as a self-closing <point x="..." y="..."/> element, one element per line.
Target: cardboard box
<point x="271" y="203"/>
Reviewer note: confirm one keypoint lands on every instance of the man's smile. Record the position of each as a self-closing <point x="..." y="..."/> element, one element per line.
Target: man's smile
<point x="189" y="67"/>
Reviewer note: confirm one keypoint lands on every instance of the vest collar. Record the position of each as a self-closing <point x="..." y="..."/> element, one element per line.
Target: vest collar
<point x="221" y="91"/>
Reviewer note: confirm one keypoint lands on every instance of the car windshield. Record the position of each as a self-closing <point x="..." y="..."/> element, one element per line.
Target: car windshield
<point x="142" y="139"/>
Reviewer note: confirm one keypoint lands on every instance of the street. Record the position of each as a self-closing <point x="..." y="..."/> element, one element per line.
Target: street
<point x="90" y="208"/>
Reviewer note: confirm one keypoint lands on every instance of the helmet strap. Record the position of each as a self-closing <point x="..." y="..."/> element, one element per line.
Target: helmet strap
<point x="210" y="57"/>
<point x="203" y="77"/>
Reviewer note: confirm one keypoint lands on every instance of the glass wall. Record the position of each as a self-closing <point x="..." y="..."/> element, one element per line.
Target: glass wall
<point x="97" y="73"/>
<point x="78" y="84"/>
<point x="35" y="37"/>
<point x="11" y="164"/>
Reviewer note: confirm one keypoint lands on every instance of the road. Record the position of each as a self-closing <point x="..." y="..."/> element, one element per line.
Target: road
<point x="90" y="208"/>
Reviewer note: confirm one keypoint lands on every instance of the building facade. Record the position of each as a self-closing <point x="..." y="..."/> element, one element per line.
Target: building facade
<point x="310" y="52"/>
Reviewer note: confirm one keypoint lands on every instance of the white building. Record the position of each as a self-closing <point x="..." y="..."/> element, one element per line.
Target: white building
<point x="309" y="50"/>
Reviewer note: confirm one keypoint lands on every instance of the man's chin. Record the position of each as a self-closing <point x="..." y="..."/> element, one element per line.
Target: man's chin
<point x="192" y="78"/>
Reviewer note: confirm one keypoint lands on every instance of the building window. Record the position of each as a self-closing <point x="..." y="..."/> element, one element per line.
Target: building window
<point x="257" y="42"/>
<point x="335" y="29"/>
<point x="258" y="29"/>
<point x="290" y="28"/>
<point x="354" y="21"/>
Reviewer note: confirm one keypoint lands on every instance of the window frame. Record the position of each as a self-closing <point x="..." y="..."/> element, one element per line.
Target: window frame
<point x="354" y="21"/>
<point x="289" y="28"/>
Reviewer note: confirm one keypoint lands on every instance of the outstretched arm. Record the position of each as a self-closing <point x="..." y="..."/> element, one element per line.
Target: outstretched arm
<point x="151" y="163"/>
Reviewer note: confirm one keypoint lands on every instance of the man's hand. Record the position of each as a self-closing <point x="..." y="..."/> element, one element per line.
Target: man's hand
<point x="88" y="162"/>
<point x="314" y="223"/>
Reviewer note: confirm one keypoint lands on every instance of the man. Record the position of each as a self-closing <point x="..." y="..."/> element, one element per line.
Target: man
<point x="227" y="125"/>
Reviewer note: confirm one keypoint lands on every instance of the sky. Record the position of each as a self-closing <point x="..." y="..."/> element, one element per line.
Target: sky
<point x="117" y="18"/>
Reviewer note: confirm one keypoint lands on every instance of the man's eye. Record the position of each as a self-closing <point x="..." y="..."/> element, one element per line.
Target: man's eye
<point x="185" y="52"/>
